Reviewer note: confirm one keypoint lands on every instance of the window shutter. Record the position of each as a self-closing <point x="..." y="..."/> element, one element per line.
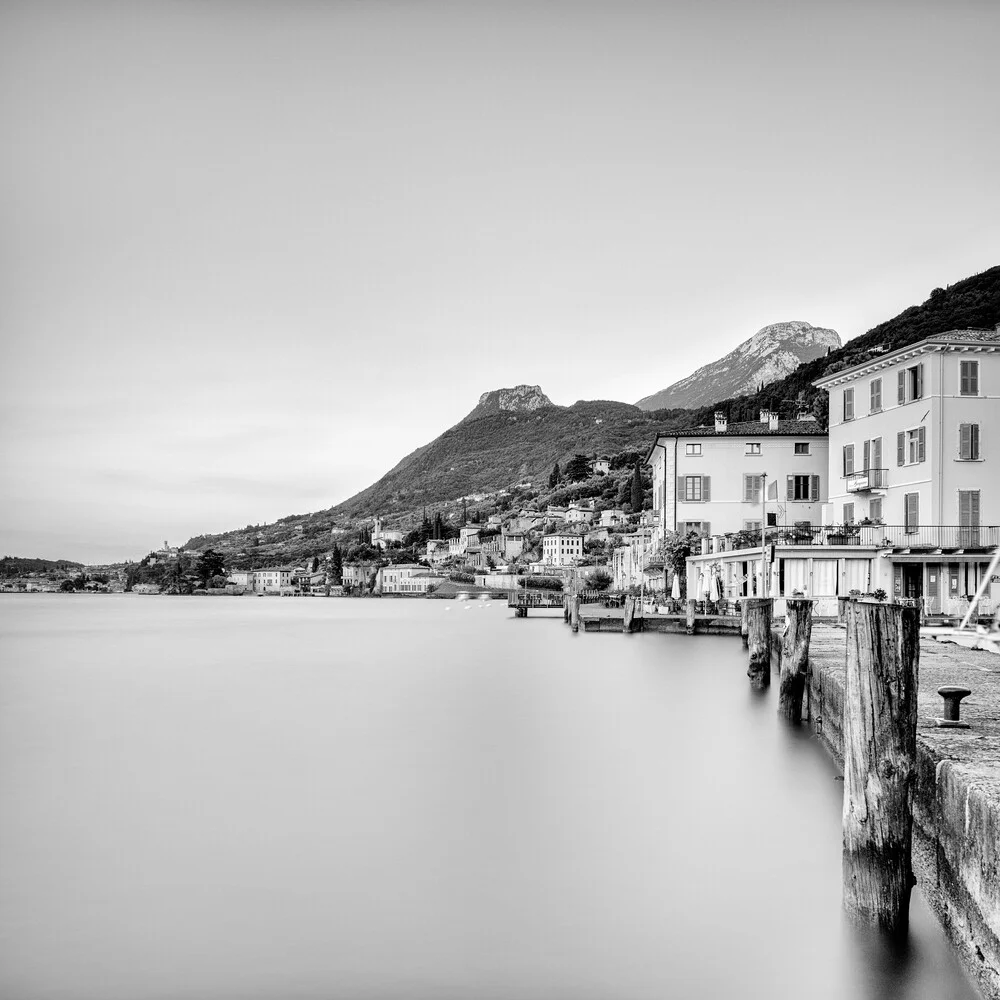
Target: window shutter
<point x="901" y="387"/>
<point x="747" y="488"/>
<point x="974" y="378"/>
<point x="901" y="448"/>
<point x="965" y="506"/>
<point x="921" y="443"/>
<point x="912" y="511"/>
<point x="974" y="507"/>
<point x="848" y="459"/>
<point x="681" y="495"/>
<point x="790" y="488"/>
<point x="758" y="487"/>
<point x="876" y="453"/>
<point x="918" y="391"/>
<point x="848" y="404"/>
<point x="706" y="488"/>
<point x="706" y="527"/>
<point x="975" y="441"/>
<point x="965" y="440"/>
<point x="963" y="379"/>
<point x="867" y="451"/>
<point x="814" y="487"/>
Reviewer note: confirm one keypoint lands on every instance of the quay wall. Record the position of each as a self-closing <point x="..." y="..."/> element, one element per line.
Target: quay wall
<point x="956" y="806"/>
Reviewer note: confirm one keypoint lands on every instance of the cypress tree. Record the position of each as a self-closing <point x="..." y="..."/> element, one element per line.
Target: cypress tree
<point x="636" y="489"/>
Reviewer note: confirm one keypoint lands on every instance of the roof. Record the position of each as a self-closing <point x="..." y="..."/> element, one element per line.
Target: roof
<point x="978" y="340"/>
<point x="745" y="428"/>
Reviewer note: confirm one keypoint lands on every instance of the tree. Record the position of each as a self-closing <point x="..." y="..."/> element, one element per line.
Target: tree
<point x="210" y="564"/>
<point x="599" y="579"/>
<point x="577" y="468"/>
<point x="636" y="489"/>
<point x="554" y="476"/>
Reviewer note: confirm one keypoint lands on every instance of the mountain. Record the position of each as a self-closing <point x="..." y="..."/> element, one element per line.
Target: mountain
<point x="509" y="437"/>
<point x="519" y="399"/>
<point x="770" y="354"/>
<point x="517" y="434"/>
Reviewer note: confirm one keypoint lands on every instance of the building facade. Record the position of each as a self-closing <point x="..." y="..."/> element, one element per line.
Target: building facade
<point x="561" y="549"/>
<point x="737" y="477"/>
<point x="914" y="467"/>
<point x="409" y="579"/>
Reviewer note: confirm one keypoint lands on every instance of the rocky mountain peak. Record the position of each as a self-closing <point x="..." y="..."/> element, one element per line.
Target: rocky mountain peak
<point x="516" y="399"/>
<point x="770" y="354"/>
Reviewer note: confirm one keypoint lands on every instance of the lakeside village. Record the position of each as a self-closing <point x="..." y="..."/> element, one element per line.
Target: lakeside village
<point x="897" y="498"/>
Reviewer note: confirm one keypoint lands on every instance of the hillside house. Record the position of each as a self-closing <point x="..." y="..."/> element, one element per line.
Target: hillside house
<point x="562" y="549"/>
<point x="601" y="464"/>
<point x="580" y="513"/>
<point x="383" y="537"/>
<point x="408" y="579"/>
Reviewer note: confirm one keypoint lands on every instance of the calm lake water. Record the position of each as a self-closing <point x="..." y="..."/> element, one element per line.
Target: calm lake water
<point x="239" y="798"/>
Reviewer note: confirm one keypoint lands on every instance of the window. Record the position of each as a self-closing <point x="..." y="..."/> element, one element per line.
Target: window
<point x="751" y="525"/>
<point x="875" y="509"/>
<point x="968" y="378"/>
<point x="910" y="384"/>
<point x="698" y="527"/>
<point x="772" y="520"/>
<point x="848" y="404"/>
<point x="911" y="512"/>
<point x="801" y="447"/>
<point x="875" y="395"/>
<point x="753" y="448"/>
<point x="692" y="488"/>
<point x="849" y="459"/>
<point x="752" y="486"/>
<point x="692" y="449"/>
<point x="911" y="446"/>
<point x="802" y="488"/>
<point x="848" y="513"/>
<point x="968" y="442"/>
<point x="968" y="508"/>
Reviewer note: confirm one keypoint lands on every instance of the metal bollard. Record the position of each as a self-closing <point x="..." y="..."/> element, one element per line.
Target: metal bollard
<point x="952" y="707"/>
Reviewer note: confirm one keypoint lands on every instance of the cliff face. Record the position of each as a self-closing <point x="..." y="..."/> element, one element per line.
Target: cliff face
<point x="770" y="354"/>
<point x="519" y="398"/>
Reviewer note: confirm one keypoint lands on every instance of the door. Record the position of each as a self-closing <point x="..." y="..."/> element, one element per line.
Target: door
<point x="934" y="589"/>
<point x="913" y="574"/>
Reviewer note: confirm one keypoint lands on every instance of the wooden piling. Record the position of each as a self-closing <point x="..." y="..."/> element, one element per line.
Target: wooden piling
<point x="628" y="613"/>
<point x="880" y="744"/>
<point x="690" y="617"/>
<point x="566" y="603"/>
<point x="794" y="663"/>
<point x="743" y="623"/>
<point x="759" y="610"/>
<point x="574" y="614"/>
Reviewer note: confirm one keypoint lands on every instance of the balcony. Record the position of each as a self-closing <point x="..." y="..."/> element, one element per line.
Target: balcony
<point x="929" y="538"/>
<point x="867" y="480"/>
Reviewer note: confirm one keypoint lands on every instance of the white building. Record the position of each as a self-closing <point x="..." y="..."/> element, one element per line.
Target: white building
<point x="272" y="580"/>
<point x="630" y="559"/>
<point x="561" y="549"/>
<point x="911" y="450"/>
<point x="612" y="518"/>
<point x="410" y="579"/>
<point x="711" y="480"/>
<point x="600" y="465"/>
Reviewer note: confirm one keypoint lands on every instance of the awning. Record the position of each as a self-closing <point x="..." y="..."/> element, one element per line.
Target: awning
<point x="938" y="557"/>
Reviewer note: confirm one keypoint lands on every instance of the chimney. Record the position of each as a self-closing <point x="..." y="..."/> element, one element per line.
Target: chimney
<point x="765" y="416"/>
<point x="720" y="422"/>
<point x="772" y="420"/>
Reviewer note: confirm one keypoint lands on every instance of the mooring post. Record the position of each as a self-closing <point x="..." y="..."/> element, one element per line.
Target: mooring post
<point x="880" y="747"/>
<point x="566" y="601"/>
<point x="759" y="611"/>
<point x="690" y="617"/>
<point x="794" y="657"/>
<point x="574" y="615"/>
<point x="743" y="622"/>
<point x="628" y="613"/>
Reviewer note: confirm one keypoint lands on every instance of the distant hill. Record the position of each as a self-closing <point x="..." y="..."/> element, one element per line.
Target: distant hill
<point x="770" y="354"/>
<point x="16" y="566"/>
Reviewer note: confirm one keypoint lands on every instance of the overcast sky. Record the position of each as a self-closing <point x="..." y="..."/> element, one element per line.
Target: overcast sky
<point x="252" y="254"/>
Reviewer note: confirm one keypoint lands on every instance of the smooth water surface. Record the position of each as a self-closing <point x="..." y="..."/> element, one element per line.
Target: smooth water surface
<point x="240" y="798"/>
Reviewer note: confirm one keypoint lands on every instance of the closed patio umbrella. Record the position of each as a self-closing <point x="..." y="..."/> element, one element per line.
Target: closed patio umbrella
<point x="703" y="586"/>
<point x="675" y="590"/>
<point x="715" y="588"/>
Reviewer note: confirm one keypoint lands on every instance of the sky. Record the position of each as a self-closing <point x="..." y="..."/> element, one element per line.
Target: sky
<point x="253" y="254"/>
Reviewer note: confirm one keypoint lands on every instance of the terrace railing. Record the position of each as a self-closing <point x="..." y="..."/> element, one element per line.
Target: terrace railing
<point x="867" y="479"/>
<point x="881" y="536"/>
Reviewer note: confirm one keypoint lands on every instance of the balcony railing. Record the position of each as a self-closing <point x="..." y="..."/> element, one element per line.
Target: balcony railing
<point x="880" y="536"/>
<point x="867" y="479"/>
